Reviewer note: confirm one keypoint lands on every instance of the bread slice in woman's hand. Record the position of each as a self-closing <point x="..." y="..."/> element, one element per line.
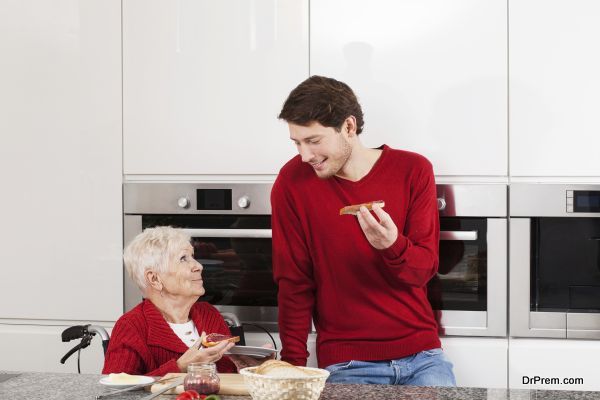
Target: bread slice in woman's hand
<point x="352" y="210"/>
<point x="214" y="339"/>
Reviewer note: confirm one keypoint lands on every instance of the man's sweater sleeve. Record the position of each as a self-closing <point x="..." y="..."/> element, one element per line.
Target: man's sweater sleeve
<point x="413" y="258"/>
<point x="292" y="271"/>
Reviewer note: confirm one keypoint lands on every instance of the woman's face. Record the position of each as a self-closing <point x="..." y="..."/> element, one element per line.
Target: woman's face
<point x="184" y="277"/>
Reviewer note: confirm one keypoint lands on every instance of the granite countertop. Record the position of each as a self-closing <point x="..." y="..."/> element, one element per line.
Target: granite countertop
<point x="49" y="386"/>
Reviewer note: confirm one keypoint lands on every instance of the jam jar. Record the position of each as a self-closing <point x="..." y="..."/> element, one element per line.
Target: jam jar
<point x="203" y="378"/>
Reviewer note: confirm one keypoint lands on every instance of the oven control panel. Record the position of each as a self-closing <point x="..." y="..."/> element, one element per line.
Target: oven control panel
<point x="583" y="201"/>
<point x="202" y="198"/>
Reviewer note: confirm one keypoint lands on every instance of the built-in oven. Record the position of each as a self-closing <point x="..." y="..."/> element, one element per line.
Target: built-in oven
<point x="230" y="227"/>
<point x="555" y="261"/>
<point x="469" y="291"/>
<point x="231" y="233"/>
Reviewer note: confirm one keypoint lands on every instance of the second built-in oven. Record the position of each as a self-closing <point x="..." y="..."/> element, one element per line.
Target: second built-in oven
<point x="230" y="226"/>
<point x="555" y="261"/>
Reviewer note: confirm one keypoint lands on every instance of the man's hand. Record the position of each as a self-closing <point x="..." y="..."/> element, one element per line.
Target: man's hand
<point x="381" y="234"/>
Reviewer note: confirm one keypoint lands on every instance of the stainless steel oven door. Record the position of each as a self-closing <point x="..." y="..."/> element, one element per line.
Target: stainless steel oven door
<point x="554" y="262"/>
<point x="525" y="319"/>
<point x="473" y="293"/>
<point x="229" y="223"/>
<point x="473" y="224"/>
<point x="237" y="268"/>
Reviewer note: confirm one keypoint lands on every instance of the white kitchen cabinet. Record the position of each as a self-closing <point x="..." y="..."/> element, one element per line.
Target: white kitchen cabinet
<point x="478" y="362"/>
<point x="34" y="348"/>
<point x="554" y="88"/>
<point x="431" y="75"/>
<point x="568" y="364"/>
<point x="60" y="161"/>
<point x="204" y="81"/>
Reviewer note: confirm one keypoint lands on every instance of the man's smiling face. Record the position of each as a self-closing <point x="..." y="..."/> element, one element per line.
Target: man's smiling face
<point x="324" y="148"/>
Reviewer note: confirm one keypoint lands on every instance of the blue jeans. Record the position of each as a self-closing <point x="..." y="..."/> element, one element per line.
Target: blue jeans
<point x="427" y="368"/>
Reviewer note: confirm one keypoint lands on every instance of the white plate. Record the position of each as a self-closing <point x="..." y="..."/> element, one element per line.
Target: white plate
<point x="258" y="352"/>
<point x="141" y="379"/>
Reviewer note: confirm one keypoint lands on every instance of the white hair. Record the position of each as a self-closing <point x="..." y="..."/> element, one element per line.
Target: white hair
<point x="152" y="250"/>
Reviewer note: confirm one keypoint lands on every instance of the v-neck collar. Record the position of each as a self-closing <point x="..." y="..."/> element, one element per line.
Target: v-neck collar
<point x="373" y="171"/>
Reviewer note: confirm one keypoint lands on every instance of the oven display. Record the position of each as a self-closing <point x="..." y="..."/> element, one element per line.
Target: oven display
<point x="586" y="201"/>
<point x="213" y="199"/>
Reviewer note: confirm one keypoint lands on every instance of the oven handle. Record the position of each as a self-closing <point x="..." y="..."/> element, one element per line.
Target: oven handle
<point x="230" y="233"/>
<point x="458" y="235"/>
<point x="266" y="234"/>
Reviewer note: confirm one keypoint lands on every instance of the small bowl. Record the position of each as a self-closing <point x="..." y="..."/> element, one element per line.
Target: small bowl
<point x="265" y="387"/>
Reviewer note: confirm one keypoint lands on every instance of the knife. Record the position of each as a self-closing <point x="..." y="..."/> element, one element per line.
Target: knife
<point x="136" y="387"/>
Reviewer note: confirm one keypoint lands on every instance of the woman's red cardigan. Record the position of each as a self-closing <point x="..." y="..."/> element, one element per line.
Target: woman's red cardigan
<point x="143" y="343"/>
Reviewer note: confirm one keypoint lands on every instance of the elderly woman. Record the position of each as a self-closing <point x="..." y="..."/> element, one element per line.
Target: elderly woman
<point x="163" y="333"/>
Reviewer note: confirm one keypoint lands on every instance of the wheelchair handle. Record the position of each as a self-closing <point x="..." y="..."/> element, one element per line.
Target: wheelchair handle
<point x="93" y="329"/>
<point x="85" y="333"/>
<point x="73" y="332"/>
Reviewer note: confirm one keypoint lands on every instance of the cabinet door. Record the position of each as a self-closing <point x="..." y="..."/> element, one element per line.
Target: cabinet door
<point x="204" y="81"/>
<point x="478" y="362"/>
<point x="60" y="160"/>
<point x="554" y="364"/>
<point x="19" y="344"/>
<point x="554" y="88"/>
<point x="431" y="75"/>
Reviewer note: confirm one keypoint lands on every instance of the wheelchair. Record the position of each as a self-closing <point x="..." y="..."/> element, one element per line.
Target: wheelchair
<point x="87" y="332"/>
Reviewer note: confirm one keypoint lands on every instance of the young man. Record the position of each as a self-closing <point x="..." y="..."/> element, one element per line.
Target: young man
<point x="362" y="279"/>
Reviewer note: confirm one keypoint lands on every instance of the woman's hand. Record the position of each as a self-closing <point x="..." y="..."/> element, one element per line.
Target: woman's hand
<point x="204" y="355"/>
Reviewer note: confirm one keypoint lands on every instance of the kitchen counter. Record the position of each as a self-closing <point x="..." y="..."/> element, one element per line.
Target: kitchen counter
<point x="49" y="386"/>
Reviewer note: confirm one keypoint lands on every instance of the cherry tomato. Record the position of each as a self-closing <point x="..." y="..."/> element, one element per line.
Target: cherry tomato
<point x="184" y="396"/>
<point x="189" y="395"/>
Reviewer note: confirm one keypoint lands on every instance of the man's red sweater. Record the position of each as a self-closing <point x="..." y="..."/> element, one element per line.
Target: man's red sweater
<point x="143" y="343"/>
<point x="367" y="304"/>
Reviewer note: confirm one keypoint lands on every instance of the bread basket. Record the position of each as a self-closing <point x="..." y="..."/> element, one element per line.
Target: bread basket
<point x="264" y="387"/>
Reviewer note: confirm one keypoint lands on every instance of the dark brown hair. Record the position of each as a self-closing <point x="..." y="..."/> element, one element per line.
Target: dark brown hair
<point x="324" y="100"/>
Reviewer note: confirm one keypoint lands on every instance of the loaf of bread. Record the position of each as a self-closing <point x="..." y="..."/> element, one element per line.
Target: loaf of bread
<point x="214" y="339"/>
<point x="353" y="209"/>
<point x="282" y="369"/>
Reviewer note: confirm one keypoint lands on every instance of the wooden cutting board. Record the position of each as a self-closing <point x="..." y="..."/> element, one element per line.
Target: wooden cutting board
<point x="231" y="384"/>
